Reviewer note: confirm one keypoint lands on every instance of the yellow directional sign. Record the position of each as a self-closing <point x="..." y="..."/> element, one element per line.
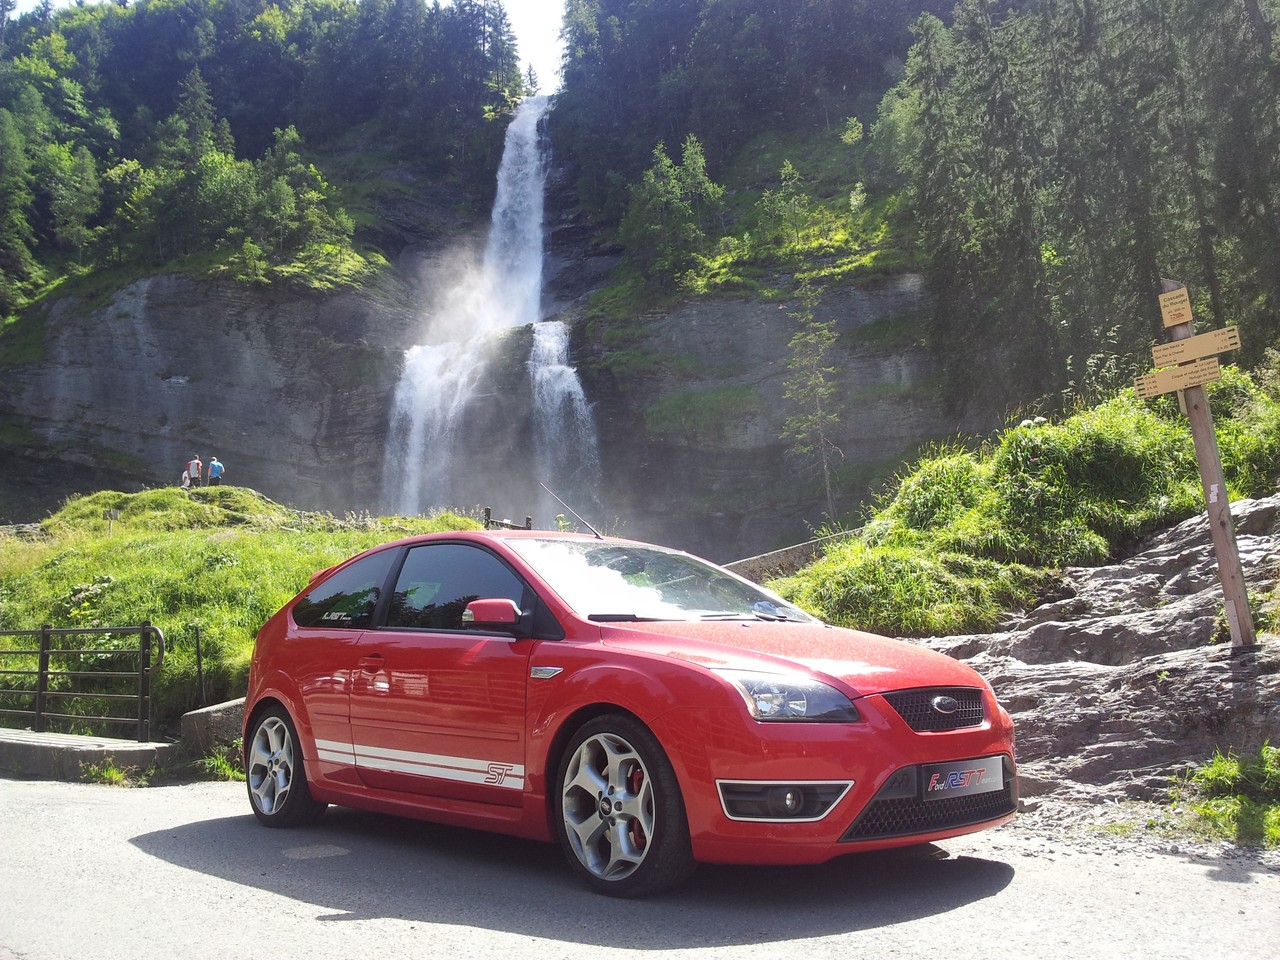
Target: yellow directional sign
<point x="1198" y="361"/>
<point x="1193" y="348"/>
<point x="1177" y="378"/>
<point x="1175" y="307"/>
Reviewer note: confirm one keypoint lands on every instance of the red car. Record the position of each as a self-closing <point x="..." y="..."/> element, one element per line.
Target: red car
<point x="645" y="709"/>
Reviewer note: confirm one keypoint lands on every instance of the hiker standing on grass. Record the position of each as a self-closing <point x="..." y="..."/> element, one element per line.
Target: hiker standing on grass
<point x="195" y="468"/>
<point x="215" y="471"/>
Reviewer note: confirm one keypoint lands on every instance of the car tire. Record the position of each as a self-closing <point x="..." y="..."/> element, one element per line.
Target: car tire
<point x="275" y="774"/>
<point x="620" y="816"/>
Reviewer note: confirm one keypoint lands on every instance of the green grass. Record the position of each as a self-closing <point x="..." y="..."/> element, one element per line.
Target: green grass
<point x="12" y="435"/>
<point x="965" y="535"/>
<point x="1235" y="798"/>
<point x="226" y="764"/>
<point x="910" y="592"/>
<point x="110" y="775"/>
<point x="219" y="559"/>
<point x="328" y="266"/>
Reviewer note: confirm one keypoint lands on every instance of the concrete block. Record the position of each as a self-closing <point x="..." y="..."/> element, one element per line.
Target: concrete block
<point x="206" y="731"/>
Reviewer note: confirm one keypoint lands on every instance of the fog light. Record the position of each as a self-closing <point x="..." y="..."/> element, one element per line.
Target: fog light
<point x="786" y="801"/>
<point x="770" y="801"/>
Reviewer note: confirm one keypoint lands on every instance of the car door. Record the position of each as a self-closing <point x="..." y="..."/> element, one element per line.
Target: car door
<point x="435" y="708"/>
<point x="322" y="653"/>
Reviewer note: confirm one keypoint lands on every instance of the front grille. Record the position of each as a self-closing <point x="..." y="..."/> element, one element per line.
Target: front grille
<point x="888" y="815"/>
<point x="916" y="708"/>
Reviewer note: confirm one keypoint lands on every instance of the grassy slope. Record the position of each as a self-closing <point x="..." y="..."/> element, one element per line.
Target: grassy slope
<point x="746" y="252"/>
<point x="967" y="534"/>
<point x="223" y="559"/>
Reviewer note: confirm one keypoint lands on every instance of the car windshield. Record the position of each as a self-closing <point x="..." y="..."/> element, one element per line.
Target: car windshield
<point x="611" y="580"/>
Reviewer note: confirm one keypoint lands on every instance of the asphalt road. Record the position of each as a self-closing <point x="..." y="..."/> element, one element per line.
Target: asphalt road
<point x="185" y="872"/>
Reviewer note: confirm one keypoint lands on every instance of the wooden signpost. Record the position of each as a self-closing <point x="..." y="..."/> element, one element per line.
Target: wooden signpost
<point x="1192" y="374"/>
<point x="1197" y="364"/>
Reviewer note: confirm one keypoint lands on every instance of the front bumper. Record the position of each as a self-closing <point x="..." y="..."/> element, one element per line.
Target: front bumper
<point x="885" y="762"/>
<point x="905" y="810"/>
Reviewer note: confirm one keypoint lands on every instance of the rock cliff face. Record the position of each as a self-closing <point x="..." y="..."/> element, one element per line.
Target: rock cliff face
<point x="293" y="391"/>
<point x="284" y="389"/>
<point x="692" y="439"/>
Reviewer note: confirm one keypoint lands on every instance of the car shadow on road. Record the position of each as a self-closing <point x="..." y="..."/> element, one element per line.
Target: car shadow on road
<point x="358" y="865"/>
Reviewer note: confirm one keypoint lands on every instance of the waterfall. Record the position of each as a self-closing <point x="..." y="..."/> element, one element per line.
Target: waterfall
<point x="565" y="444"/>
<point x="439" y="379"/>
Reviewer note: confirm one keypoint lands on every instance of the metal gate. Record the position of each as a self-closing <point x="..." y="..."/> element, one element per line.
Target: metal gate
<point x="53" y="677"/>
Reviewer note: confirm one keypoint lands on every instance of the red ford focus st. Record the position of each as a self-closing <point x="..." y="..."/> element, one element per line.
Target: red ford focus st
<point x="644" y="709"/>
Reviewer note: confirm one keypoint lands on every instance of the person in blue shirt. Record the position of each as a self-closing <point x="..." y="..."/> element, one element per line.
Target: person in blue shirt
<point x="215" y="471"/>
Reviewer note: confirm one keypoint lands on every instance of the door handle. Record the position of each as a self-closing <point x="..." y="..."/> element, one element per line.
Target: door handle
<point x="372" y="663"/>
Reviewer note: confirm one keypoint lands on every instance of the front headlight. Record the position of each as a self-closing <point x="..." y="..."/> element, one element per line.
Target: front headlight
<point x="777" y="696"/>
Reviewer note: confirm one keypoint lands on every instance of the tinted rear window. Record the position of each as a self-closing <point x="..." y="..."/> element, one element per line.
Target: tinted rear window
<point x="346" y="599"/>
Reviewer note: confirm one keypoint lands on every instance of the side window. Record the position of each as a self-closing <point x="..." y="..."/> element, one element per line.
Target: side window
<point x="438" y="580"/>
<point x="346" y="600"/>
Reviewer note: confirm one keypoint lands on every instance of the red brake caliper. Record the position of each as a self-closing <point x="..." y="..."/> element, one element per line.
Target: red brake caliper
<point x="635" y="780"/>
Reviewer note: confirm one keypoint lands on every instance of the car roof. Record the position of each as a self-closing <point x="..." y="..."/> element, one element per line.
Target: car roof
<point x="498" y="535"/>
<point x="481" y="536"/>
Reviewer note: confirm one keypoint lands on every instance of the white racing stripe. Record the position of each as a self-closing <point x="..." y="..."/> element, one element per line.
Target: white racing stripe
<point x="335" y="752"/>
<point x="459" y="769"/>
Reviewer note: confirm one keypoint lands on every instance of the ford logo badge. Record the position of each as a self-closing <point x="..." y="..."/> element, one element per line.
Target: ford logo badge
<point x="945" y="705"/>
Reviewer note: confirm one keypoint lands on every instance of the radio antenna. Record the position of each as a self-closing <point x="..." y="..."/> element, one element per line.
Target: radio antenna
<point x="571" y="510"/>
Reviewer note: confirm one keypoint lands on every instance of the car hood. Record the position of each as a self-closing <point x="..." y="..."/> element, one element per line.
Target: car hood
<point x="866" y="662"/>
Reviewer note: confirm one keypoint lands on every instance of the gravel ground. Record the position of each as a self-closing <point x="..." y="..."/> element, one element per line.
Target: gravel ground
<point x="1129" y="827"/>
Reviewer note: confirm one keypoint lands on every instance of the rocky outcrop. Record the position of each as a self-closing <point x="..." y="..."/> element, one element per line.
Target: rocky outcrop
<point x="1130" y="677"/>
<point x="692" y="409"/>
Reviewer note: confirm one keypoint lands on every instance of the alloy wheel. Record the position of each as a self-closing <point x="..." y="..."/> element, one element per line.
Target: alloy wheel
<point x="270" y="768"/>
<point x="608" y="804"/>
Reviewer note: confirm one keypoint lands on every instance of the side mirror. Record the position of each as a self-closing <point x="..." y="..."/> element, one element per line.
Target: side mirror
<point x="498" y="613"/>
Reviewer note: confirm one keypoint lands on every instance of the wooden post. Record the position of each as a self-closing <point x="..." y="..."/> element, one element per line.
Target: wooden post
<point x="1221" y="529"/>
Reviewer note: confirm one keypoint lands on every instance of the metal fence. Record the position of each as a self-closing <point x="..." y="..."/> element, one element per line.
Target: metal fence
<point x="53" y="679"/>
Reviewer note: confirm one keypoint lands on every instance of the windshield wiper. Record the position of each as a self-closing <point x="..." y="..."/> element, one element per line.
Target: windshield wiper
<point x="622" y="618"/>
<point x="758" y="612"/>
<point x="771" y="611"/>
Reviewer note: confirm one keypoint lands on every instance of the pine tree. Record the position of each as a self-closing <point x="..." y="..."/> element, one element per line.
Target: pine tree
<point x="18" y="267"/>
<point x="811" y="392"/>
